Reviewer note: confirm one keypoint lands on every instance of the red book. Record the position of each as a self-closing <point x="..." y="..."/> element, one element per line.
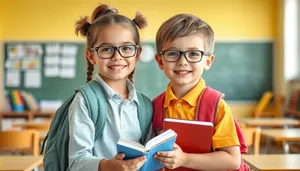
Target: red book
<point x="192" y="136"/>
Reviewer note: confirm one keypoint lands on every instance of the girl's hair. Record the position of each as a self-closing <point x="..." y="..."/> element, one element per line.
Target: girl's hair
<point x="104" y="16"/>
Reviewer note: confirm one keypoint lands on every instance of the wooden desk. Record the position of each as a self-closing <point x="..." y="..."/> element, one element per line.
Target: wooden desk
<point x="29" y="115"/>
<point x="276" y="162"/>
<point x="20" y="163"/>
<point x="284" y="135"/>
<point x="32" y="124"/>
<point x="265" y="122"/>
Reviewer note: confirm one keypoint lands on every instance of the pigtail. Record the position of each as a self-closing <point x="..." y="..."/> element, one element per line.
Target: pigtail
<point x="99" y="11"/>
<point x="140" y="20"/>
<point x="130" y="76"/>
<point x="89" y="70"/>
<point x="82" y="26"/>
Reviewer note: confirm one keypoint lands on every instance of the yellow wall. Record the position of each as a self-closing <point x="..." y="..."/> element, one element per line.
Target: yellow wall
<point x="230" y="19"/>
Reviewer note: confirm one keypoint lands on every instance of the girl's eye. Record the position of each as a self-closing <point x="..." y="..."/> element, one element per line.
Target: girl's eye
<point x="107" y="49"/>
<point x="127" y="48"/>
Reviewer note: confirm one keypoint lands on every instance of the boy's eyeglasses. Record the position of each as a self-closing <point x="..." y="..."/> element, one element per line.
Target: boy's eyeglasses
<point x="106" y="52"/>
<point x="192" y="56"/>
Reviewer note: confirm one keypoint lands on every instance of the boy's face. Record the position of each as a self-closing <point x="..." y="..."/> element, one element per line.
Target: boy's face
<point x="182" y="72"/>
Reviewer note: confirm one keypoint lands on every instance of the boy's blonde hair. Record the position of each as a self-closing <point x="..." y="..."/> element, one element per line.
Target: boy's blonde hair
<point x="182" y="25"/>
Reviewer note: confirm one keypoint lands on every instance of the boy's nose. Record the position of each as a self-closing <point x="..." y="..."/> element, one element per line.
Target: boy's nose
<point x="182" y="60"/>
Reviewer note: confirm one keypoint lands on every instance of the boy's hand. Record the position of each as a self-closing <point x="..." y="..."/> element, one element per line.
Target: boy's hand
<point x="118" y="164"/>
<point x="171" y="159"/>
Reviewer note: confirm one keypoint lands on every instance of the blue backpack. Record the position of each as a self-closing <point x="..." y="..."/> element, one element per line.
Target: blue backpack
<point x="56" y="157"/>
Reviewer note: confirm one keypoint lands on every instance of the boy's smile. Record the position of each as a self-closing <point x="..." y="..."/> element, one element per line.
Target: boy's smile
<point x="183" y="73"/>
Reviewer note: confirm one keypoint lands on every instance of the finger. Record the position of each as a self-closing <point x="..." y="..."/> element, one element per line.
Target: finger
<point x="165" y="154"/>
<point x="119" y="156"/>
<point x="164" y="160"/>
<point x="137" y="165"/>
<point x="176" y="146"/>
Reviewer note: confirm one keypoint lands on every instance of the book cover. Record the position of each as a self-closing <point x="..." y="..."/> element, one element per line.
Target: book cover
<point x="192" y="136"/>
<point x="162" y="142"/>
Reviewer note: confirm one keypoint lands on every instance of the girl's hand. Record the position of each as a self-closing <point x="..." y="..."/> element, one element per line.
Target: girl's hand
<point x="171" y="159"/>
<point x="118" y="164"/>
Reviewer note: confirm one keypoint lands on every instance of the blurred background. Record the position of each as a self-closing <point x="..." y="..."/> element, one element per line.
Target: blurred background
<point x="257" y="62"/>
<point x="249" y="51"/>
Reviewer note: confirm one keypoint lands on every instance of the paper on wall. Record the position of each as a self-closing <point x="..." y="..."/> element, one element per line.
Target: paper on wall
<point x="51" y="71"/>
<point x="33" y="50"/>
<point x="67" y="72"/>
<point x="15" y="51"/>
<point x="52" y="50"/>
<point x="69" y="50"/>
<point x="32" y="79"/>
<point x="68" y="61"/>
<point x="13" y="78"/>
<point x="51" y="60"/>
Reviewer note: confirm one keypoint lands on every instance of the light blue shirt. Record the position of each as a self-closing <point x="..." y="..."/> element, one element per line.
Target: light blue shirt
<point x="122" y="122"/>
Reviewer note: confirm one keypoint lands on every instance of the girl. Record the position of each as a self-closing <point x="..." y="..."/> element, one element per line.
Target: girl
<point x="113" y="46"/>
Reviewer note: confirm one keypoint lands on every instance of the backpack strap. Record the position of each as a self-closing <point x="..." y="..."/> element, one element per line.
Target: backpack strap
<point x="209" y="100"/>
<point x="158" y="107"/>
<point x="145" y="113"/>
<point x="93" y="94"/>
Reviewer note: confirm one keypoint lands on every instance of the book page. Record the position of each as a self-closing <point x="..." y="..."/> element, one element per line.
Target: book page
<point x="160" y="138"/>
<point x="189" y="121"/>
<point x="131" y="144"/>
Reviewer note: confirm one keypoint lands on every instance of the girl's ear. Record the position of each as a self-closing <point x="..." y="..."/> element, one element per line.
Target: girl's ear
<point x="159" y="61"/>
<point x="90" y="56"/>
<point x="209" y="62"/>
<point x="138" y="54"/>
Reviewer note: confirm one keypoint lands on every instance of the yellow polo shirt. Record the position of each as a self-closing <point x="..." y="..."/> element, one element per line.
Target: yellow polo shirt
<point x="225" y="133"/>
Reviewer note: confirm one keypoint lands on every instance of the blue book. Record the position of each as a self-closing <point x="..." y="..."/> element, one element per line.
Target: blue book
<point x="163" y="142"/>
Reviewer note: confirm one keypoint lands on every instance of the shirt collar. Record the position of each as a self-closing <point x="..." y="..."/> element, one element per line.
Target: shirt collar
<point x="110" y="93"/>
<point x="191" y="97"/>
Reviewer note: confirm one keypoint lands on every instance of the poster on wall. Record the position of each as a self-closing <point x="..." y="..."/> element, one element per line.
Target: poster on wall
<point x="13" y="78"/>
<point x="33" y="50"/>
<point x="32" y="78"/>
<point x="15" y="51"/>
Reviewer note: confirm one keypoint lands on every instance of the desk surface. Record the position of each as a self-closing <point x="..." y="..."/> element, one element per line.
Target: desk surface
<point x="32" y="124"/>
<point x="257" y="122"/>
<point x="20" y="163"/>
<point x="289" y="134"/>
<point x="276" y="162"/>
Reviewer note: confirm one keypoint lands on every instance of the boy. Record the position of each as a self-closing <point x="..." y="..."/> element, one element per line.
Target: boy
<point x="185" y="47"/>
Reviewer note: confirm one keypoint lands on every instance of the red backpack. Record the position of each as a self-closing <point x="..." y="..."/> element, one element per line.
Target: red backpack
<point x="209" y="100"/>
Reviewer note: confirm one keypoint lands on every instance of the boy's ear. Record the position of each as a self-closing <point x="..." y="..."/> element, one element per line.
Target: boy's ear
<point x="209" y="62"/>
<point x="159" y="61"/>
<point x="90" y="56"/>
<point x="138" y="54"/>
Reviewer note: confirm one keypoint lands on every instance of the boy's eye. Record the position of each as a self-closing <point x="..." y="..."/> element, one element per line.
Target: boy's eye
<point x="194" y="54"/>
<point x="171" y="53"/>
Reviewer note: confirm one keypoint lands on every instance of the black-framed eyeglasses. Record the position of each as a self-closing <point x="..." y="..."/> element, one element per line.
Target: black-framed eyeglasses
<point x="192" y="56"/>
<point x="106" y="52"/>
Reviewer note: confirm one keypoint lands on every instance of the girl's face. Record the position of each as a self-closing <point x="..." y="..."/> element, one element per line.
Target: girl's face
<point x="114" y="67"/>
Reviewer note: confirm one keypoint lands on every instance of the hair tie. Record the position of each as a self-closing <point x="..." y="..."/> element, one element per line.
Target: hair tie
<point x="135" y="22"/>
<point x="112" y="10"/>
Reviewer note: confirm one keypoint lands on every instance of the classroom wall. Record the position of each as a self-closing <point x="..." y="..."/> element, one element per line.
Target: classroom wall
<point x="231" y="20"/>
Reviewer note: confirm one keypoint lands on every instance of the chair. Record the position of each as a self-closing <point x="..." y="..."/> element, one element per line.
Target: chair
<point x="252" y="136"/>
<point x="16" y="140"/>
<point x="263" y="104"/>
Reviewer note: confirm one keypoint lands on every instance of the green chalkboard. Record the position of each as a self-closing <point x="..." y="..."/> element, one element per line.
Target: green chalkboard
<point x="241" y="70"/>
